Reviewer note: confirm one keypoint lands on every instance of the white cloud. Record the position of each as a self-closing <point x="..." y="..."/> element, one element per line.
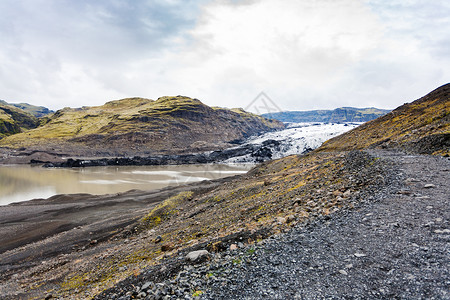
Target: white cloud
<point x="303" y="54"/>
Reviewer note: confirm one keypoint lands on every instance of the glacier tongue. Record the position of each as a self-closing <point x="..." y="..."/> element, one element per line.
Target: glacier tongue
<point x="297" y="138"/>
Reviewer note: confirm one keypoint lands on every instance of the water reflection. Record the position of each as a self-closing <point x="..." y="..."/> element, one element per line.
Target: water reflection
<point x="21" y="183"/>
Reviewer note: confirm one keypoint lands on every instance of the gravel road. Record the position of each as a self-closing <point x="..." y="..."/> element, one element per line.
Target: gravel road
<point x="394" y="245"/>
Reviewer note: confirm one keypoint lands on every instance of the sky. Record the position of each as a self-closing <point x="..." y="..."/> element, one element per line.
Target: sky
<point x="300" y="54"/>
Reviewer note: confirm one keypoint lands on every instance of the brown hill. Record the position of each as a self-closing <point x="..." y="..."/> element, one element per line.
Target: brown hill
<point x="421" y="126"/>
<point x="142" y="126"/>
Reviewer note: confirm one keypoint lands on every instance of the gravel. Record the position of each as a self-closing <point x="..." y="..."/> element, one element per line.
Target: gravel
<point x="392" y="245"/>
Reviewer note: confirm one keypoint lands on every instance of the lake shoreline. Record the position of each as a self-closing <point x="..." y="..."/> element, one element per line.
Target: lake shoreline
<point x="258" y="153"/>
<point x="38" y="229"/>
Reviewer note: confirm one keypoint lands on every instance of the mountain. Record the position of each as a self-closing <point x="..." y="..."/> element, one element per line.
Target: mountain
<point x="421" y="126"/>
<point x="14" y="120"/>
<point x="137" y="125"/>
<point x="37" y="111"/>
<point x="338" y="115"/>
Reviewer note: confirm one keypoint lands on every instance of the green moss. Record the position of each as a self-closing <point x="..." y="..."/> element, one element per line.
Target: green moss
<point x="165" y="209"/>
<point x="197" y="293"/>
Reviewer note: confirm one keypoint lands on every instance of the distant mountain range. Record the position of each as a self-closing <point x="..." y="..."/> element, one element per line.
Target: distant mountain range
<point x="338" y="115"/>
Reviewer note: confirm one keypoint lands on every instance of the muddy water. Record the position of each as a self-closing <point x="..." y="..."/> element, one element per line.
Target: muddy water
<point x="21" y="183"/>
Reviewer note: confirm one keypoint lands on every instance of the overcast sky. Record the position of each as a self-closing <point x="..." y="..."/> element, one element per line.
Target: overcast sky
<point x="304" y="54"/>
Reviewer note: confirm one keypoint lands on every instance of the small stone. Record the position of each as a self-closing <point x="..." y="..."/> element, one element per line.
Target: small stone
<point x="438" y="220"/>
<point x="290" y="218"/>
<point x="93" y="242"/>
<point x="404" y="192"/>
<point x="347" y="194"/>
<point x="337" y="193"/>
<point x="146" y="285"/>
<point x="233" y="247"/>
<point x="409" y="180"/>
<point x="349" y="266"/>
<point x="49" y="296"/>
<point x="359" y="254"/>
<point x="281" y="220"/>
<point x="158" y="239"/>
<point x="442" y="231"/>
<point x="167" y="247"/>
<point x="429" y="186"/>
<point x="343" y="272"/>
<point x="197" y="255"/>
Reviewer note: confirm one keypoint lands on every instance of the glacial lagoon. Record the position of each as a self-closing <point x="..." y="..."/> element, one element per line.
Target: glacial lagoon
<point x="23" y="182"/>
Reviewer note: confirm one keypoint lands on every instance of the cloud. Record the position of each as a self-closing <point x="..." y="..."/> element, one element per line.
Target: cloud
<point x="273" y="45"/>
<point x="303" y="54"/>
<point x="61" y="51"/>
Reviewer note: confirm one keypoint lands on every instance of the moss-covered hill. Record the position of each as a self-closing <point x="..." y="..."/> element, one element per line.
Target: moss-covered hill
<point x="37" y="111"/>
<point x="14" y="120"/>
<point x="421" y="126"/>
<point x="136" y="125"/>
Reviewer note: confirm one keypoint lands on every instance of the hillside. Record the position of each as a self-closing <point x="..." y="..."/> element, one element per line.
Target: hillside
<point x="14" y="120"/>
<point x="338" y="115"/>
<point x="136" y="125"/>
<point x="421" y="126"/>
<point x="37" y="111"/>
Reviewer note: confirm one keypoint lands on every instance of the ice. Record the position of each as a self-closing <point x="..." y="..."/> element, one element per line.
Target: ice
<point x="297" y="138"/>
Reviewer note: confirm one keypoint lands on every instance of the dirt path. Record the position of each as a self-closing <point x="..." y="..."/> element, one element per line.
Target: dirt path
<point x="397" y="247"/>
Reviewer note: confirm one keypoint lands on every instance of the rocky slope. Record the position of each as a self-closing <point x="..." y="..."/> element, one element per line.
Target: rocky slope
<point x="421" y="126"/>
<point x="136" y="125"/>
<point x="338" y="115"/>
<point x="14" y="120"/>
<point x="342" y="192"/>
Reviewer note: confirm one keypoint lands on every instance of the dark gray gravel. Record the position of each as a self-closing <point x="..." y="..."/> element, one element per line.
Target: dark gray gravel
<point x="394" y="245"/>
